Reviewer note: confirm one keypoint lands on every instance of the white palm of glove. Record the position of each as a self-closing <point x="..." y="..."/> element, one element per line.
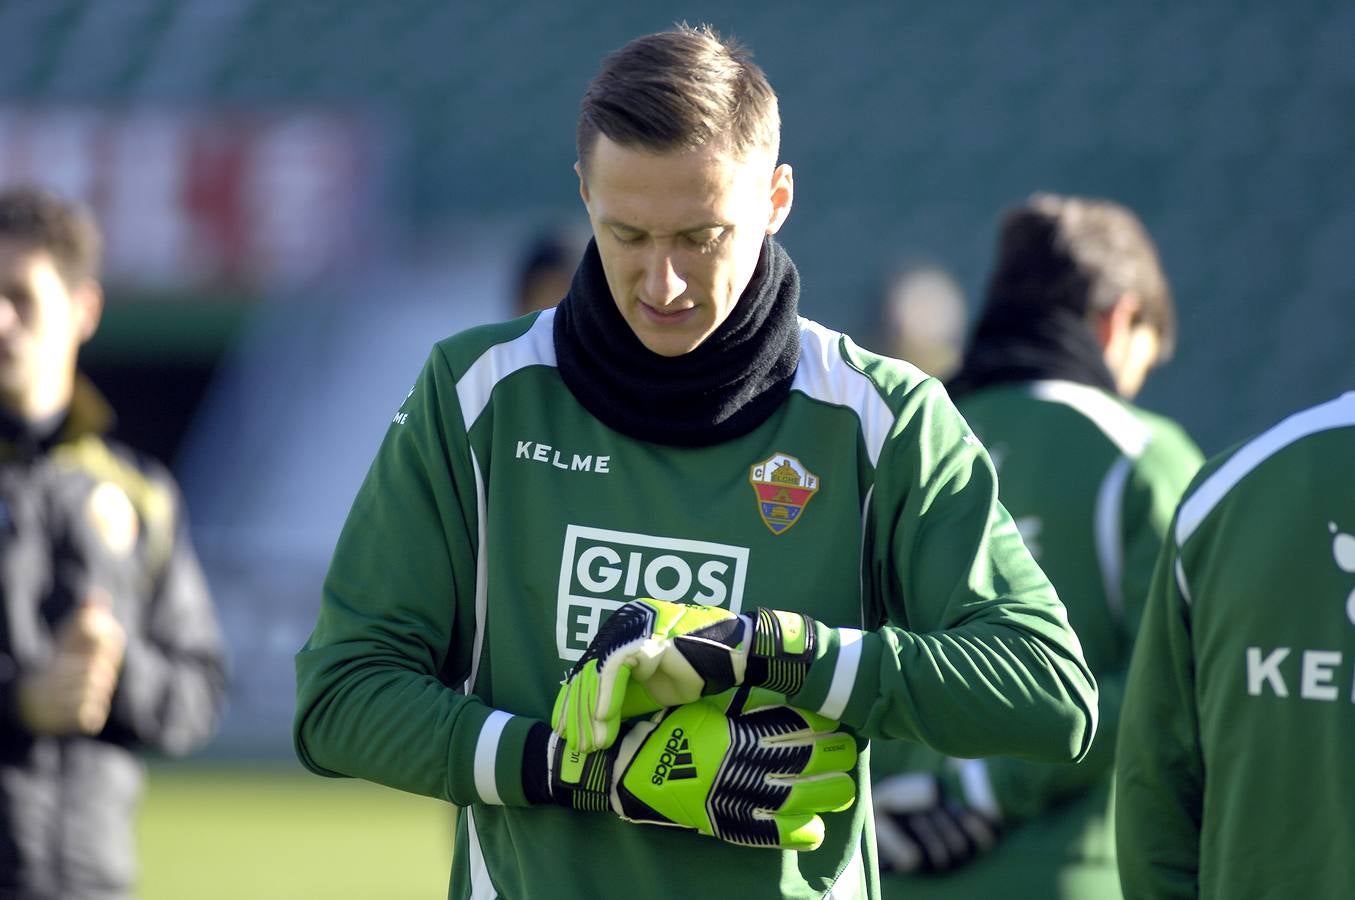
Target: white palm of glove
<point x="928" y="823"/>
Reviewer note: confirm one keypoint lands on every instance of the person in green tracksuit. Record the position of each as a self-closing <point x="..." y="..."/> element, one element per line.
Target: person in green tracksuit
<point x="1234" y="769"/>
<point x="674" y="430"/>
<point x="1077" y="311"/>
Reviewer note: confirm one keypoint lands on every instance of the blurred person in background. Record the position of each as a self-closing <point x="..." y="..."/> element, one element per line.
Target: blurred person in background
<point x="1235" y="769"/>
<point x="922" y="319"/>
<point x="673" y="440"/>
<point x="108" y="643"/>
<point x="544" y="270"/>
<point x="1078" y="311"/>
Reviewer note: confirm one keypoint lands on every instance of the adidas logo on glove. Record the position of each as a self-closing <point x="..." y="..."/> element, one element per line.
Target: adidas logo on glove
<point x="675" y="762"/>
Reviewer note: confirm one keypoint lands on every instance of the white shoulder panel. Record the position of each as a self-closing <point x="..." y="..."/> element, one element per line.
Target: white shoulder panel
<point x="824" y="375"/>
<point x="1338" y="413"/>
<point x="1105" y="412"/>
<point x="534" y="348"/>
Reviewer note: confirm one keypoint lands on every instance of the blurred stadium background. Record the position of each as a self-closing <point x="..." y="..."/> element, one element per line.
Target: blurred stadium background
<point x="301" y="196"/>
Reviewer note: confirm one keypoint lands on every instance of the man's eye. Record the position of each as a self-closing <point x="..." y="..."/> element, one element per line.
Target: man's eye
<point x="704" y="240"/>
<point x="627" y="237"/>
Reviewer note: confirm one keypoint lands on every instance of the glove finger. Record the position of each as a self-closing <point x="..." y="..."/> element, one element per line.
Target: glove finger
<point x="605" y="709"/>
<point x="798" y="832"/>
<point x="957" y="841"/>
<point x="557" y="712"/>
<point x="573" y="705"/>
<point x="566" y="710"/>
<point x="762" y="702"/>
<point x="898" y="851"/>
<point x="817" y="722"/>
<point x="936" y="854"/>
<point x="834" y="752"/>
<point x="908" y="793"/>
<point x="817" y="794"/>
<point x="612" y="678"/>
<point x="980" y="830"/>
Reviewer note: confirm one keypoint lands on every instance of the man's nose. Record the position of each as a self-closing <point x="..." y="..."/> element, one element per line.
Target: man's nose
<point x="663" y="284"/>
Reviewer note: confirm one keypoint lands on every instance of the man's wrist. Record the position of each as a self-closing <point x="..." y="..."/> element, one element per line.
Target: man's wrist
<point x="536" y="764"/>
<point x="782" y="647"/>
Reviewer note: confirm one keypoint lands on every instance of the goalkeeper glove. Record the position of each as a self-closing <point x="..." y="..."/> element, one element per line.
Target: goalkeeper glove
<point x="652" y="654"/>
<point x="753" y="776"/>
<point x="929" y="824"/>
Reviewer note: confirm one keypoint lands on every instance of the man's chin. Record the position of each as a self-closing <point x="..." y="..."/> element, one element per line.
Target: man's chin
<point x="669" y="345"/>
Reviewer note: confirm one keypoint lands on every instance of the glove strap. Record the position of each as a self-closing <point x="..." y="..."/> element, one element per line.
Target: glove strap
<point x="783" y="648"/>
<point x="591" y="791"/>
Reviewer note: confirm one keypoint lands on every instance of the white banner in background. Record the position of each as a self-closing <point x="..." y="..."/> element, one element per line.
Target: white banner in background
<point x="187" y="198"/>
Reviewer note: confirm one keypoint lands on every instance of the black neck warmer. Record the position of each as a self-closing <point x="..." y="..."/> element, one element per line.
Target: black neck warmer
<point x="722" y="390"/>
<point x="1014" y="342"/>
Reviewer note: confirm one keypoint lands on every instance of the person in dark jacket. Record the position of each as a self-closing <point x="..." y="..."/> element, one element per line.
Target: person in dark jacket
<point x="109" y="643"/>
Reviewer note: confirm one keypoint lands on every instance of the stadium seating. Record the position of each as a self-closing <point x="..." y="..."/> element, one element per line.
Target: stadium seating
<point x="910" y="126"/>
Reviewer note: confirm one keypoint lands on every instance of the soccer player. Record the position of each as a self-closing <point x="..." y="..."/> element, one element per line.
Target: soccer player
<point x="1078" y="310"/>
<point x="1235" y="773"/>
<point x="109" y="643"/>
<point x="815" y="527"/>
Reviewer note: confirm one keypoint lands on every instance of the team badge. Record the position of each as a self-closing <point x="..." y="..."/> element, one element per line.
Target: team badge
<point x="784" y="488"/>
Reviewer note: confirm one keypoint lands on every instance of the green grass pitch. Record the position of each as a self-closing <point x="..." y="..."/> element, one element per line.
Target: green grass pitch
<point x="278" y="833"/>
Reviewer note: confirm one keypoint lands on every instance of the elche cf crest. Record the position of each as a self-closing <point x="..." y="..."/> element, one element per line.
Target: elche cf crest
<point x="784" y="487"/>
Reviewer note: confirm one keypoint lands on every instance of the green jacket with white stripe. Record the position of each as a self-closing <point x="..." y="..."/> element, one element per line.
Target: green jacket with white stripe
<point x="1236" y="764"/>
<point x="500" y="523"/>
<point x="1092" y="482"/>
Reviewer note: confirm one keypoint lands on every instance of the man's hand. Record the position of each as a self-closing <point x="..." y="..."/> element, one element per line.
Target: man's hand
<point x="753" y="776"/>
<point x="928" y="823"/>
<point x="92" y="631"/>
<point x="652" y="655"/>
<point x="73" y="692"/>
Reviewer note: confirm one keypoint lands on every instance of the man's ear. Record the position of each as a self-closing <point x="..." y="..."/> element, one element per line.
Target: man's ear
<point x="583" y="182"/>
<point x="88" y="299"/>
<point x="1113" y="325"/>
<point x="783" y="196"/>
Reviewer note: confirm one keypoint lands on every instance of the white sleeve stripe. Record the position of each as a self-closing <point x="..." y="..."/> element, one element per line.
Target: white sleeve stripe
<point x="1109" y="534"/>
<point x="536" y="347"/>
<point x="486" y="754"/>
<point x="844" y="673"/>
<point x="1336" y="413"/>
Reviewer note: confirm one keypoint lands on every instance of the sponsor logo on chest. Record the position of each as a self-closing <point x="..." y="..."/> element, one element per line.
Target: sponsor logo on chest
<point x="601" y="569"/>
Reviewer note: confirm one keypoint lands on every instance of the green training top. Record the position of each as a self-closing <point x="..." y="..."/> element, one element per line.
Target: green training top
<point x="1092" y="482"/>
<point x="1237" y="743"/>
<point x="500" y="523"/>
